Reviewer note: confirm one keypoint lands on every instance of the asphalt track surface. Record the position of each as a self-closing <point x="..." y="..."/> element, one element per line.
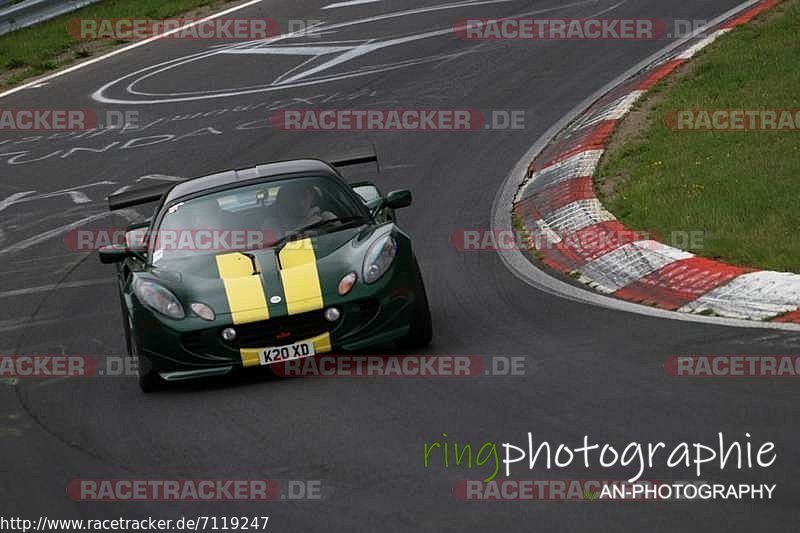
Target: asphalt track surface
<point x="589" y="371"/>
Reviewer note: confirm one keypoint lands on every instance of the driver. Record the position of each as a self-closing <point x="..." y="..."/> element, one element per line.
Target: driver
<point x="298" y="205"/>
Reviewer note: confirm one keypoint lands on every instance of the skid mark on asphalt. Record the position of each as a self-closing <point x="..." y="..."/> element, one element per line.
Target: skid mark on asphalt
<point x="781" y="340"/>
<point x="31" y="414"/>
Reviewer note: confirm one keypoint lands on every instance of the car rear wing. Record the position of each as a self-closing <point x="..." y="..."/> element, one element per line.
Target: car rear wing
<point x="154" y="193"/>
<point x="357" y="158"/>
<point x="138" y="196"/>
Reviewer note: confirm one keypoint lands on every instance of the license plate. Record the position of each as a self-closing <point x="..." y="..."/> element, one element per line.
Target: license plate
<point x="279" y="354"/>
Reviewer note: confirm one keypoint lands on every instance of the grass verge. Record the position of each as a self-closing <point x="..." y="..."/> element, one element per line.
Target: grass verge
<point x="738" y="189"/>
<point x="47" y="46"/>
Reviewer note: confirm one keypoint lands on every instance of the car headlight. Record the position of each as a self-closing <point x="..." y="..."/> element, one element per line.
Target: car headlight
<point x="158" y="298"/>
<point x="347" y="282"/>
<point x="202" y="310"/>
<point x="379" y="258"/>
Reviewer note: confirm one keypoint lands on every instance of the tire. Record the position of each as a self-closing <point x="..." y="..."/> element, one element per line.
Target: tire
<point x="420" y="333"/>
<point x="149" y="380"/>
<point x="126" y="326"/>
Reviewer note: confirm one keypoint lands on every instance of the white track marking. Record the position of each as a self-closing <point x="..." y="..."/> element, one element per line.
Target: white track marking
<point x="13" y="199"/>
<point x="289" y="50"/>
<point x="75" y="194"/>
<point x="55" y="286"/>
<point x="26" y="322"/>
<point x="284" y="82"/>
<point x="47" y="78"/>
<point x="350" y="3"/>
<point x="129" y="214"/>
<point x="49" y="234"/>
<point x="280" y="82"/>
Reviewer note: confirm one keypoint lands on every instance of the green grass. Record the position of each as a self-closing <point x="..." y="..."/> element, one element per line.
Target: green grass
<point x="43" y="47"/>
<point x="741" y="189"/>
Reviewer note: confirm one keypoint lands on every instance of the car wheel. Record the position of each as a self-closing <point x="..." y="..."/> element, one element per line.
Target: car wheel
<point x="149" y="380"/>
<point x="420" y="333"/>
<point x="126" y="325"/>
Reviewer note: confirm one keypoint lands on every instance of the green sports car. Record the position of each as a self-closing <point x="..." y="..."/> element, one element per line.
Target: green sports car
<point x="263" y="265"/>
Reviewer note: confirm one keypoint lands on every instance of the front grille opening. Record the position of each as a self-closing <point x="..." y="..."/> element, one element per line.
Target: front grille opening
<point x="279" y="331"/>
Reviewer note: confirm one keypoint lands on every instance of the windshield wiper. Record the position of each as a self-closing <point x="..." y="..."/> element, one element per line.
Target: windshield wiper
<point x="292" y="235"/>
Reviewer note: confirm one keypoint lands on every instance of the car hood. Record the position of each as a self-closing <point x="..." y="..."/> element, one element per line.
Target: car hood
<point x="260" y="284"/>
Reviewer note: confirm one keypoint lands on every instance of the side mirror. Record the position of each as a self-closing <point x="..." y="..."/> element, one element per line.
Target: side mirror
<point x="113" y="253"/>
<point x="136" y="240"/>
<point x="135" y="245"/>
<point x="398" y="199"/>
<point x="369" y="193"/>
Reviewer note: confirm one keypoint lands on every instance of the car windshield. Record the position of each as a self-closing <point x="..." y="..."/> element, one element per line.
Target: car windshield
<point x="254" y="217"/>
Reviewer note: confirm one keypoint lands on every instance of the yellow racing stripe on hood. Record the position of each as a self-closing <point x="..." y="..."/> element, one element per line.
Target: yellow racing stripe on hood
<point x="243" y="288"/>
<point x="300" y="277"/>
